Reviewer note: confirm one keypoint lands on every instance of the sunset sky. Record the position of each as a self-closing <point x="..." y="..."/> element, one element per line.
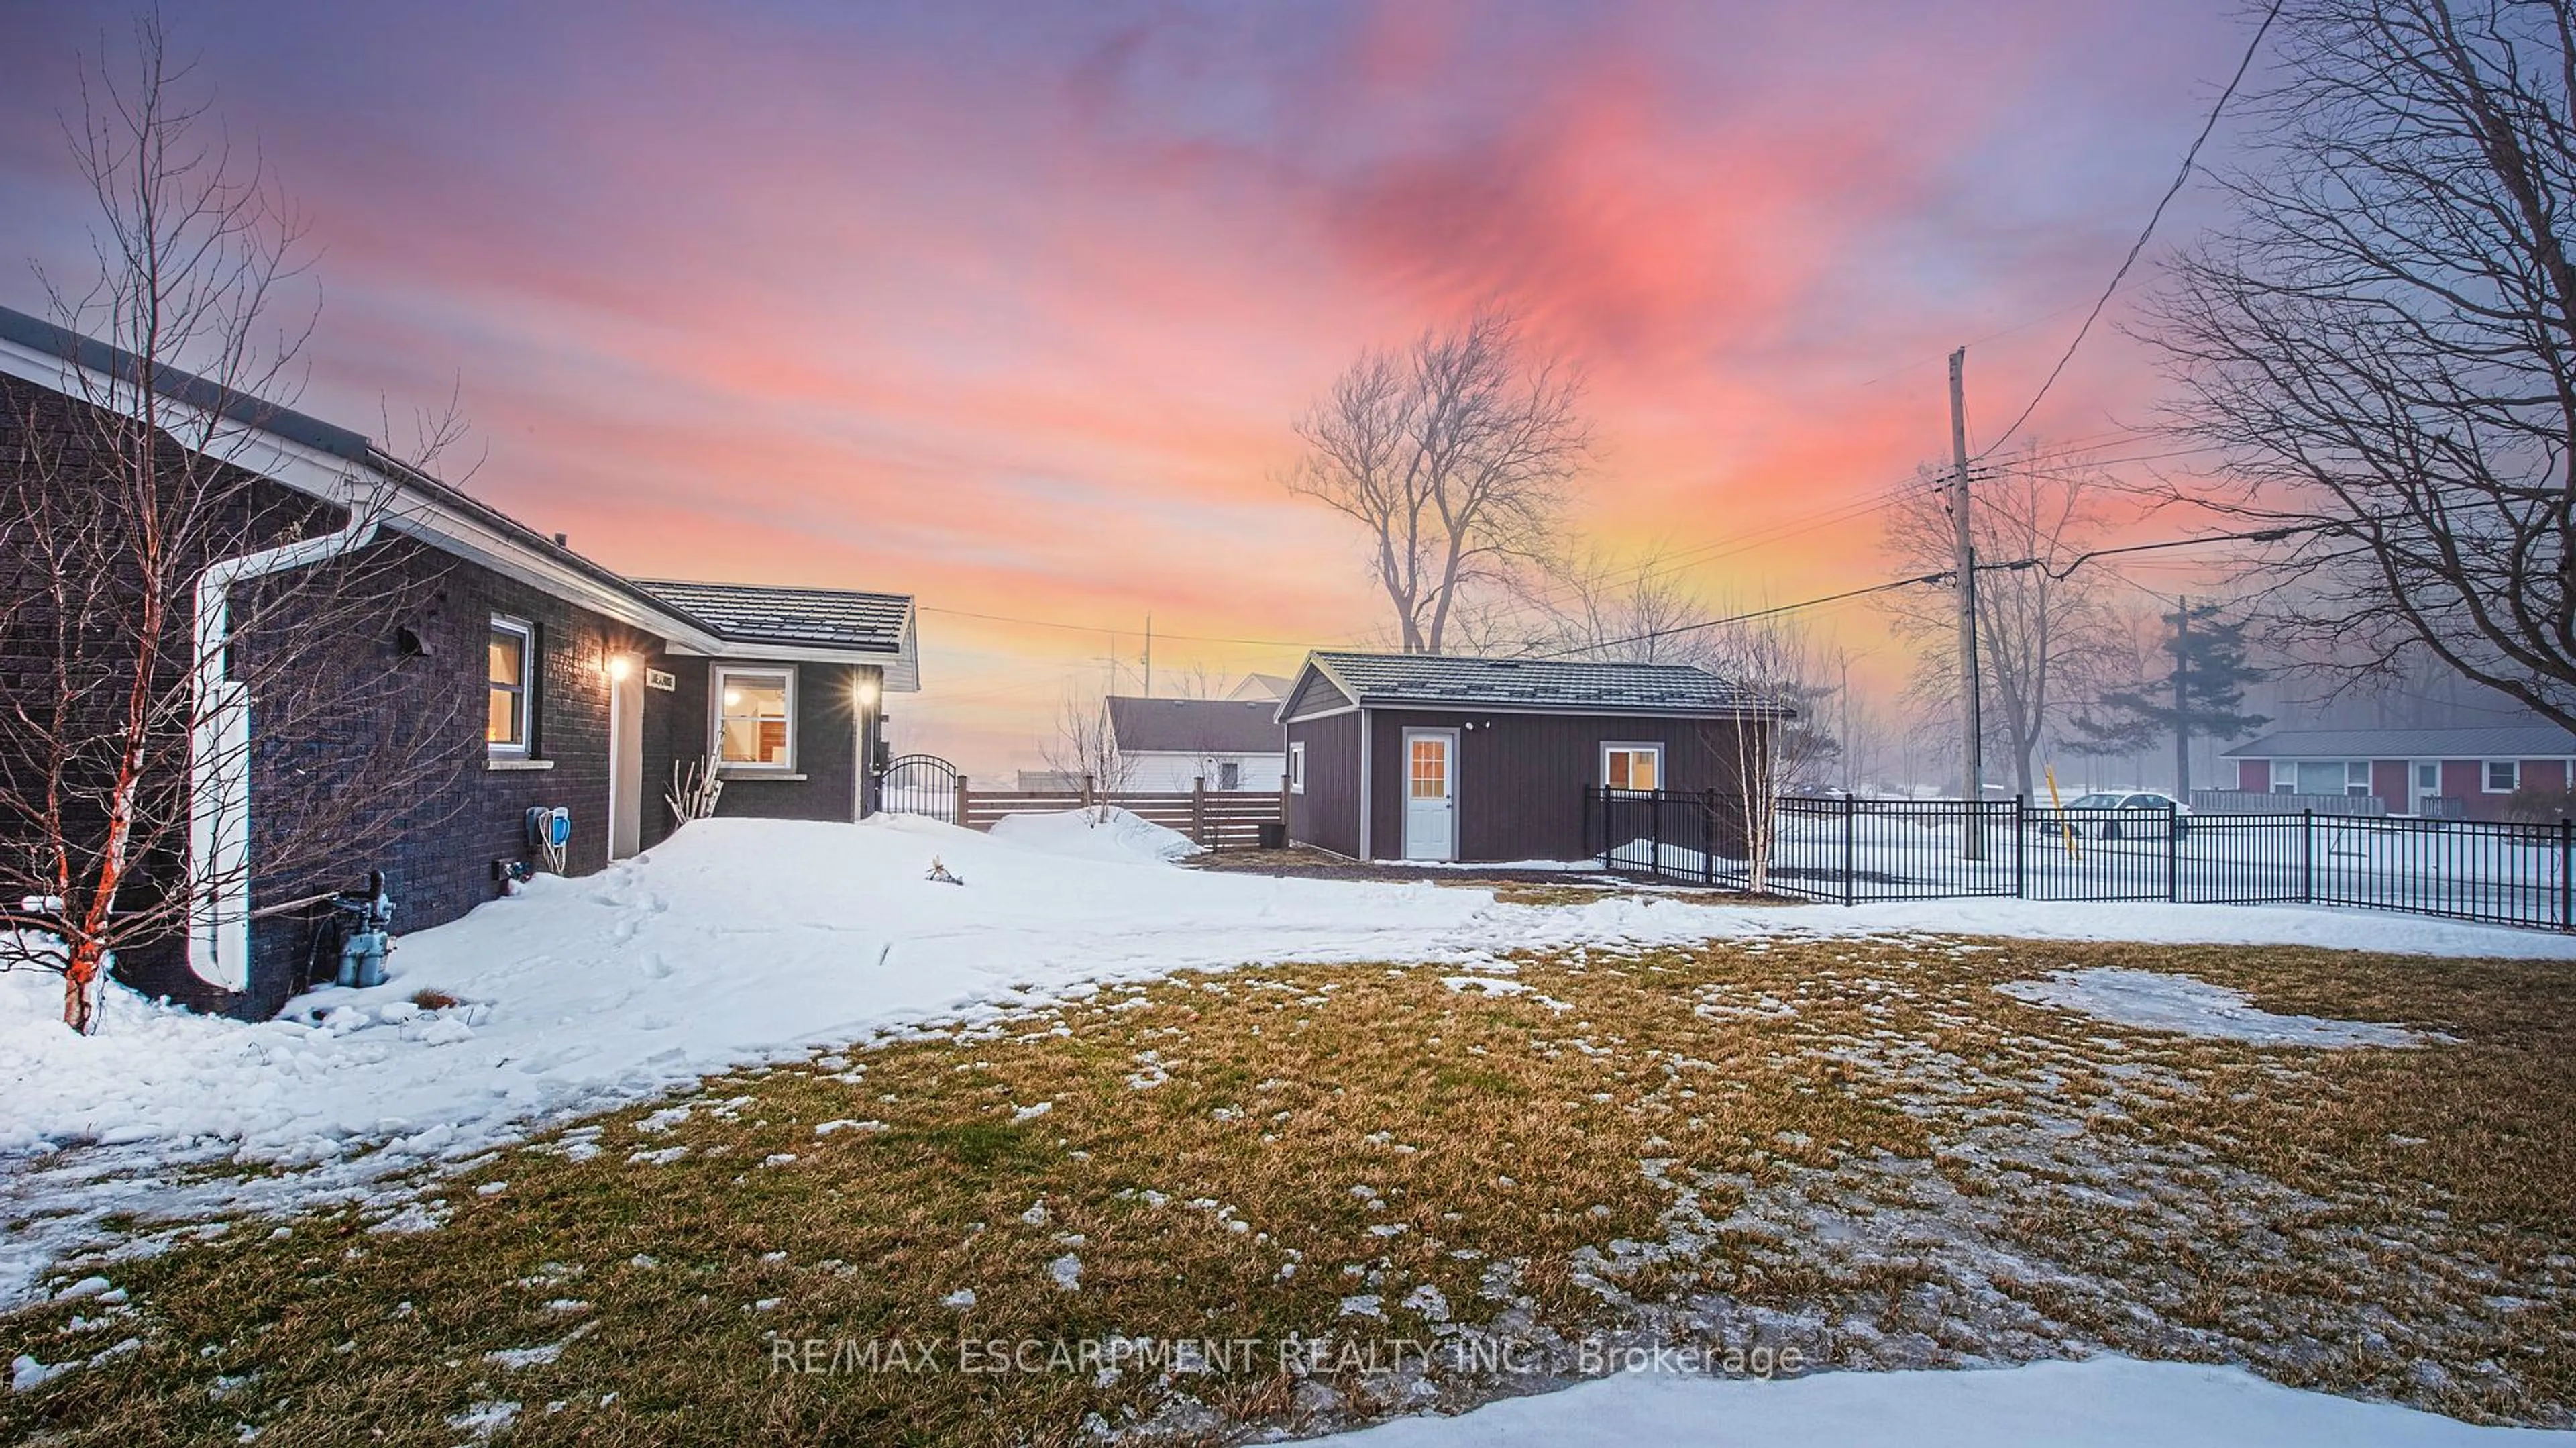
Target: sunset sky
<point x="1011" y="307"/>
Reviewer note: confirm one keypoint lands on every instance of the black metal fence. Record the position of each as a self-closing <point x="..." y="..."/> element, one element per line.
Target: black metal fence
<point x="1855" y="850"/>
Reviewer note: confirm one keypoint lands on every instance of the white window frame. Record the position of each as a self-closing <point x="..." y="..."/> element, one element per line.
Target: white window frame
<point x="1297" y="767"/>
<point x="717" y="677"/>
<point x="2357" y="788"/>
<point x="1633" y="746"/>
<point x="525" y="744"/>
<point x="2486" y="775"/>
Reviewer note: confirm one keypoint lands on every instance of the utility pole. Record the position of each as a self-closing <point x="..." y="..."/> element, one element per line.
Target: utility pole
<point x="2182" y="701"/>
<point x="1149" y="656"/>
<point x="1972" y="724"/>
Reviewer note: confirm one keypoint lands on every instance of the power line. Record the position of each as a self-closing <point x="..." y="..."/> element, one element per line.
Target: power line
<point x="2265" y="535"/>
<point x="2190" y="158"/>
<point x="1119" y="629"/>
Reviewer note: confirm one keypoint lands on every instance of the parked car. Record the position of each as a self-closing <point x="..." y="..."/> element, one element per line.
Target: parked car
<point x="2138" y="814"/>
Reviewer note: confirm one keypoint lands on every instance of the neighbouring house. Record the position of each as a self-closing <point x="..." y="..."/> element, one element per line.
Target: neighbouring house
<point x="534" y="676"/>
<point x="1272" y="687"/>
<point x="1171" y="745"/>
<point x="2466" y="773"/>
<point x="1433" y="757"/>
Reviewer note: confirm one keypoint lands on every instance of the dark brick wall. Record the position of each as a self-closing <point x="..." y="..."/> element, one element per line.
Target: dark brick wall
<point x="680" y="726"/>
<point x="439" y="833"/>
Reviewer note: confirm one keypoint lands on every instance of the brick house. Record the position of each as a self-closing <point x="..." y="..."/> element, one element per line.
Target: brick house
<point x="2451" y="773"/>
<point x="537" y="677"/>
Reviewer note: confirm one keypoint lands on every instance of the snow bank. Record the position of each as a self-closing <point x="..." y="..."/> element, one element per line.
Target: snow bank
<point x="2103" y="1403"/>
<point x="1118" y="835"/>
<point x="747" y="940"/>
<point x="2161" y="1002"/>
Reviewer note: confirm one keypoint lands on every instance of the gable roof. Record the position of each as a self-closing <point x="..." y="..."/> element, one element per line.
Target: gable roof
<point x="1270" y="687"/>
<point x="1196" y="726"/>
<point x="1541" y="685"/>
<point x="769" y="614"/>
<point x="328" y="461"/>
<point x="2511" y="741"/>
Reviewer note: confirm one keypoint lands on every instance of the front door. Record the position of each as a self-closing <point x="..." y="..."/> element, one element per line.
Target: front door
<point x="1430" y="794"/>
<point x="625" y="756"/>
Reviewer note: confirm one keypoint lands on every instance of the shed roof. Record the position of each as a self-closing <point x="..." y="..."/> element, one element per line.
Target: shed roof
<point x="1552" y="685"/>
<point x="2511" y="741"/>
<point x="1196" y="726"/>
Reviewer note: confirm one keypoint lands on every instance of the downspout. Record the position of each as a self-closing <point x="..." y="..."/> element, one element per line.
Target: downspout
<point x="219" y="760"/>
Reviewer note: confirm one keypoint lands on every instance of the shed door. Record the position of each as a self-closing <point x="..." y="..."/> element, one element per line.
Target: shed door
<point x="1430" y="794"/>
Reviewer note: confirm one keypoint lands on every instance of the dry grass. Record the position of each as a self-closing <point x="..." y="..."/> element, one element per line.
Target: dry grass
<point x="1856" y="1148"/>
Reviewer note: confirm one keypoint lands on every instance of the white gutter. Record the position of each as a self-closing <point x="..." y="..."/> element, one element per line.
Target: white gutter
<point x="219" y="761"/>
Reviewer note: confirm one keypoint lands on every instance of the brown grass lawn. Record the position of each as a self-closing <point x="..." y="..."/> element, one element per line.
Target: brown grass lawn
<point x="1857" y="1149"/>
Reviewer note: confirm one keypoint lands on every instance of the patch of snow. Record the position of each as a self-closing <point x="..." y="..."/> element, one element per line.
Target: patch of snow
<point x="1066" y="1272"/>
<point x="961" y="1298"/>
<point x="486" y="1418"/>
<point x="2102" y="1403"/>
<point x="2155" y="1000"/>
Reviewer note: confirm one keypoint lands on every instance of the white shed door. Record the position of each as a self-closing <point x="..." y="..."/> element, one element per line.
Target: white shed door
<point x="1430" y="794"/>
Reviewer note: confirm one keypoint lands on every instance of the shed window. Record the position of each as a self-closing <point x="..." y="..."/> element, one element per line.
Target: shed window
<point x="512" y="660"/>
<point x="1229" y="774"/>
<point x="1297" y="768"/>
<point x="1632" y="766"/>
<point x="756" y="718"/>
<point x="2504" y="776"/>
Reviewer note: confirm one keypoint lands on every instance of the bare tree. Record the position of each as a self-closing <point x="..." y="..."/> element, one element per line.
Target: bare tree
<point x="2383" y="341"/>
<point x="1777" y="660"/>
<point x="153" y="590"/>
<point x="1085" y="747"/>
<point x="2043" y="642"/>
<point x="1455" y="455"/>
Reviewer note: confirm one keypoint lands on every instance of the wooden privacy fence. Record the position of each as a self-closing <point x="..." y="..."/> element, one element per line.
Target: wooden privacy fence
<point x="1218" y="819"/>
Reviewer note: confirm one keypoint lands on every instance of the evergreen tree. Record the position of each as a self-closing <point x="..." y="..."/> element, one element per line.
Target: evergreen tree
<point x="2202" y="697"/>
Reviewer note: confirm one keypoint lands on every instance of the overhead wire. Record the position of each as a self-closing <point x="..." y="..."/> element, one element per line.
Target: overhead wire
<point x="2190" y="159"/>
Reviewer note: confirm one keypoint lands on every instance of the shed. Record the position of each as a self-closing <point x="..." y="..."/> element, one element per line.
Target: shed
<point x="1441" y="757"/>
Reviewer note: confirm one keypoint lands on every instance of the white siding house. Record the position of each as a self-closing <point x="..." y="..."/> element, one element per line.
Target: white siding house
<point x="1171" y="744"/>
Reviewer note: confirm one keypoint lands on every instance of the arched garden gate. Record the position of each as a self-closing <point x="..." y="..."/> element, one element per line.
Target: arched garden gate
<point x="919" y="784"/>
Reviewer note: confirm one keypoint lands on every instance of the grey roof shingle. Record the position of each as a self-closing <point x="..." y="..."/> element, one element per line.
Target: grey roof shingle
<point x="1380" y="680"/>
<point x="1196" y="726"/>
<point x="762" y="614"/>
<point x="2510" y="741"/>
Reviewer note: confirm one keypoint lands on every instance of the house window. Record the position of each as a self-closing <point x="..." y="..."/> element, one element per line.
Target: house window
<point x="2356" y="778"/>
<point x="756" y="718"/>
<point x="1632" y="766"/>
<point x="2428" y="779"/>
<point x="1297" y="768"/>
<point x="1229" y="774"/>
<point x="2332" y="776"/>
<point x="2503" y="776"/>
<point x="513" y="660"/>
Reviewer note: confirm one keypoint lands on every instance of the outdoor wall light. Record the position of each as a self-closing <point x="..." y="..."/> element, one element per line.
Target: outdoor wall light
<point x="620" y="665"/>
<point x="866" y="692"/>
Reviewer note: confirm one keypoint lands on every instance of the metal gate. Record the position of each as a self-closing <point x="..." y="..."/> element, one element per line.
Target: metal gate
<point x="919" y="784"/>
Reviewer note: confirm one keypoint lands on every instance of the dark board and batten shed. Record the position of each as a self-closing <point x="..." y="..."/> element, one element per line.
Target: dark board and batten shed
<point x="1437" y="757"/>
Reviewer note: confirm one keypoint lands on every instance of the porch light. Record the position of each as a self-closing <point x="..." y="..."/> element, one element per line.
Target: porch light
<point x="620" y="665"/>
<point x="866" y="692"/>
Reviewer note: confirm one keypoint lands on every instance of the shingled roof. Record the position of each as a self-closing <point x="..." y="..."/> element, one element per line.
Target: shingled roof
<point x="752" y="613"/>
<point x="1196" y="726"/>
<point x="1553" y="685"/>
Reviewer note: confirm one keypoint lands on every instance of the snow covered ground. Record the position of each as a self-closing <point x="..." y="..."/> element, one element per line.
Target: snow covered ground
<point x="2103" y="1403"/>
<point x="739" y="941"/>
